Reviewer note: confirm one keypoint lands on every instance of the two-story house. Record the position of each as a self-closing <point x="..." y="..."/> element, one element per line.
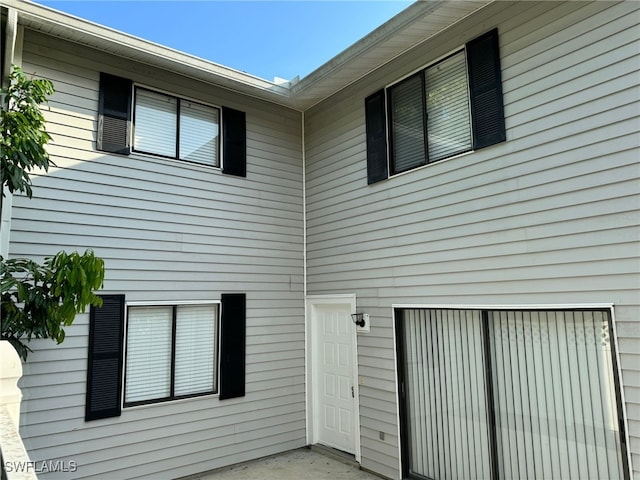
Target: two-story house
<point x="464" y="181"/>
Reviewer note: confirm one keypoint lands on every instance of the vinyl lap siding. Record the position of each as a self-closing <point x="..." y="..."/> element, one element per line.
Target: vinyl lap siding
<point x="548" y="217"/>
<point x="167" y="230"/>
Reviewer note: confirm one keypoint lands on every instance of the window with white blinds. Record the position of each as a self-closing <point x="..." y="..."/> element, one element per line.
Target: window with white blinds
<point x="448" y="114"/>
<point x="199" y="133"/>
<point x="509" y="394"/>
<point x="176" y="128"/>
<point x="148" y="366"/>
<point x="196" y="343"/>
<point x="435" y="101"/>
<point x="171" y="352"/>
<point x="155" y="123"/>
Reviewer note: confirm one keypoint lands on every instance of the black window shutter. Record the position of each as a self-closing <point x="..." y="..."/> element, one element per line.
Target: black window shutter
<point x="114" y="114"/>
<point x="104" y="369"/>
<point x="485" y="85"/>
<point x="377" y="165"/>
<point x="232" y="348"/>
<point x="234" y="142"/>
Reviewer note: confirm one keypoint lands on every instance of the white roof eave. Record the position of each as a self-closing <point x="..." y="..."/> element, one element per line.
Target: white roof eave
<point x="413" y="26"/>
<point x="84" y="32"/>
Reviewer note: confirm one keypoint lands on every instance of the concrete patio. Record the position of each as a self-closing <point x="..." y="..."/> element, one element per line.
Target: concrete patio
<point x="301" y="464"/>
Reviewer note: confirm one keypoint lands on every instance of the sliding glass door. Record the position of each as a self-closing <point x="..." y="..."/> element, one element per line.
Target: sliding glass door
<point x="508" y="394"/>
<point x="445" y="396"/>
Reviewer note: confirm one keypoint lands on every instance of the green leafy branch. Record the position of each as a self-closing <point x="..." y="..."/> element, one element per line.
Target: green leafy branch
<point x="37" y="300"/>
<point x="23" y="135"/>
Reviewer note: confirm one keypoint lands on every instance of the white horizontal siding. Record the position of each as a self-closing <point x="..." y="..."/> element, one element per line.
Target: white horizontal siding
<point x="548" y="217"/>
<point x="168" y="230"/>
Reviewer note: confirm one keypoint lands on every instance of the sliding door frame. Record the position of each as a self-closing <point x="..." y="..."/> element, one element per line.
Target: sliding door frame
<point x="491" y="417"/>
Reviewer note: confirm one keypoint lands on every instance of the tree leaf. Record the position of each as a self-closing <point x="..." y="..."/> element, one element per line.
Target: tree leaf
<point x="37" y="300"/>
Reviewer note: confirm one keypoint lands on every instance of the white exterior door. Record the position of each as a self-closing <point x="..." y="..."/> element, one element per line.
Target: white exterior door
<point x="333" y="373"/>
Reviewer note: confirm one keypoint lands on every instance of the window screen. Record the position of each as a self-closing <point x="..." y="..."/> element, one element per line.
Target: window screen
<point x="448" y="115"/>
<point x="199" y="133"/>
<point x="554" y="395"/>
<point x="156" y="123"/>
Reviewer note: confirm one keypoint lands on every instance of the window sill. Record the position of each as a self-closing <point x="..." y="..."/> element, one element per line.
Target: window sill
<point x="439" y="162"/>
<point x="201" y="396"/>
<point x="160" y="160"/>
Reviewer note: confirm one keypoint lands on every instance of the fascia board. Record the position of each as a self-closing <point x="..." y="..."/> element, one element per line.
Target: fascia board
<point x="370" y="53"/>
<point x="365" y="56"/>
<point x="78" y="30"/>
<point x="385" y="31"/>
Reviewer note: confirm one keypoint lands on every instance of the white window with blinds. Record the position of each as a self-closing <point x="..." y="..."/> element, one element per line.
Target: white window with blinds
<point x="171" y="352"/>
<point x="176" y="128"/>
<point x="509" y="394"/>
<point x="430" y="117"/>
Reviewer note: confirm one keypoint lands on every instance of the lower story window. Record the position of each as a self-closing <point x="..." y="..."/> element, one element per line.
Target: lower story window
<point x="171" y="352"/>
<point x="509" y="394"/>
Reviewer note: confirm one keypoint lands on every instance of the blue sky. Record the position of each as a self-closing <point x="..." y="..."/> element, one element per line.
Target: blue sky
<point x="264" y="38"/>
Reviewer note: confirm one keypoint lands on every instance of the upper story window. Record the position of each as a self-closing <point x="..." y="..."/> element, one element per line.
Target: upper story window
<point x="142" y="120"/>
<point x="429" y="115"/>
<point x="448" y="108"/>
<point x="176" y="128"/>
